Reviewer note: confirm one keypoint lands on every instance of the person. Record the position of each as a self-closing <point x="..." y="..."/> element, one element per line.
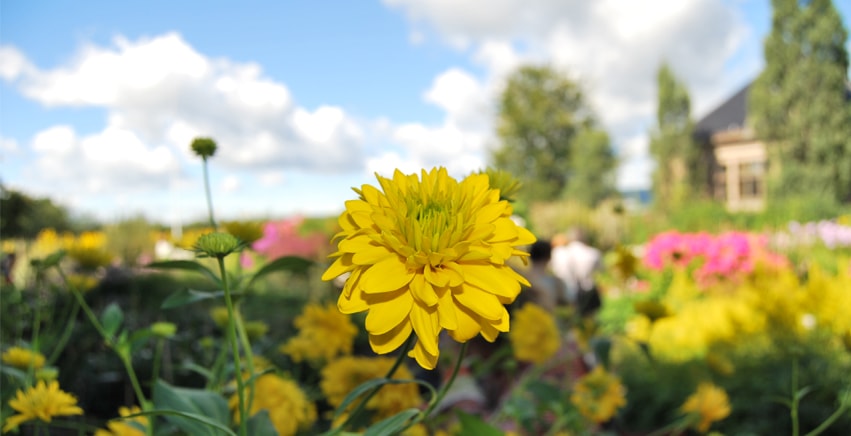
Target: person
<point x="576" y="263"/>
<point x="547" y="290"/>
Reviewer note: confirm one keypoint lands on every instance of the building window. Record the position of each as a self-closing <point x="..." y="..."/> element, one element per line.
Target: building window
<point x="719" y="183"/>
<point x="752" y="180"/>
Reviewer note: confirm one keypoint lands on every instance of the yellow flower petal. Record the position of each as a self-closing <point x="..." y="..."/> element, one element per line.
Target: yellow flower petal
<point x="387" y="311"/>
<point x="385" y="276"/>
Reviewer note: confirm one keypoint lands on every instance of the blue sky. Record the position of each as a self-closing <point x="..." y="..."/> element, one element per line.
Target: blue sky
<point x="99" y="100"/>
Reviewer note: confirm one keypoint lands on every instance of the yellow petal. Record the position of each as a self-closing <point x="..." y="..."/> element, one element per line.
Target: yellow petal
<point x="342" y="265"/>
<point x="478" y="301"/>
<point x="387" y="275"/>
<point x="446" y="311"/>
<point x="436" y="276"/>
<point x="369" y="254"/>
<point x="499" y="280"/>
<point x="388" y="310"/>
<point x="353" y="303"/>
<point x="425" y="325"/>
<point x="423" y="357"/>
<point x="383" y="344"/>
<point x="423" y="290"/>
<point x="468" y="325"/>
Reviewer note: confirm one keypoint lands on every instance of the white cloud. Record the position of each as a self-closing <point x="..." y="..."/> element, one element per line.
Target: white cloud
<point x="612" y="47"/>
<point x="160" y="93"/>
<point x="12" y="63"/>
<point x="231" y="184"/>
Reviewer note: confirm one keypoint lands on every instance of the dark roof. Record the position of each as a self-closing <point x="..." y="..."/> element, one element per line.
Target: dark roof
<point x="730" y="115"/>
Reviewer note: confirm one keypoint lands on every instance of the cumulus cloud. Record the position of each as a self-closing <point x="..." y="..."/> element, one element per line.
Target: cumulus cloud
<point x="612" y="47"/>
<point x="166" y="92"/>
<point x="159" y="93"/>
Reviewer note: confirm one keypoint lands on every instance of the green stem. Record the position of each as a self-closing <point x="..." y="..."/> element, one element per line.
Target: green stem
<point x="362" y="404"/>
<point x="134" y="381"/>
<point x="828" y="422"/>
<point x="69" y="328"/>
<point x="209" y="197"/>
<point x="218" y="365"/>
<point x="158" y="355"/>
<point x="249" y="356"/>
<point x="232" y="338"/>
<point x="794" y="409"/>
<point x="445" y="388"/>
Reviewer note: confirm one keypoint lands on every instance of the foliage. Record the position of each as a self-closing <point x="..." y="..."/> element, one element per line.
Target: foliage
<point x="22" y="216"/>
<point x="680" y="172"/>
<point x="799" y="103"/>
<point x="549" y="137"/>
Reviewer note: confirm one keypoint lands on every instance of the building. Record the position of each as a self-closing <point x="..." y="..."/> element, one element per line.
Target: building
<point x="739" y="161"/>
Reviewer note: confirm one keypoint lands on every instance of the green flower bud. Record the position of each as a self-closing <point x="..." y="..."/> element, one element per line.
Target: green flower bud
<point x="163" y="330"/>
<point x="47" y="374"/>
<point x="256" y="329"/>
<point x="204" y="147"/>
<point x="247" y="231"/>
<point x="503" y="181"/>
<point x="217" y="245"/>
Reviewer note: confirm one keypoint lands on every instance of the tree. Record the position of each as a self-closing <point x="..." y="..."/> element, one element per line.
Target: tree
<point x="592" y="164"/>
<point x="22" y="216"/>
<point x="799" y="103"/>
<point x="678" y="174"/>
<point x="541" y="115"/>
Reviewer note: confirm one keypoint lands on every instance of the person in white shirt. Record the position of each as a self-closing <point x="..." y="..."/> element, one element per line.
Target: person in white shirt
<point x="576" y="263"/>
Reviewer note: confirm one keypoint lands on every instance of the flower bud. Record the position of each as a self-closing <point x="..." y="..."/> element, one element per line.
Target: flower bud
<point x="217" y="245"/>
<point x="204" y="147"/>
<point x="163" y="330"/>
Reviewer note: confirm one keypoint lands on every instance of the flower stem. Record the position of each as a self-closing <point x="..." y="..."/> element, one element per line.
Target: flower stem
<point x="794" y="409"/>
<point x="209" y="197"/>
<point x="249" y="356"/>
<point x="158" y="355"/>
<point x="234" y="344"/>
<point x="362" y="404"/>
<point x="445" y="388"/>
<point x="66" y="333"/>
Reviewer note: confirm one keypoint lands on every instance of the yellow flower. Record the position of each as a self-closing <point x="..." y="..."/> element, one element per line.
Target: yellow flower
<point x="82" y="282"/>
<point x="123" y="427"/>
<point x="289" y="408"/>
<point x="598" y="395"/>
<point x="708" y="404"/>
<point x="44" y="401"/>
<point x="89" y="250"/>
<point x="247" y="231"/>
<point x="534" y="336"/>
<point x="22" y="358"/>
<point x="324" y="333"/>
<point x="428" y="255"/>
<point x="346" y="373"/>
<point x="220" y="316"/>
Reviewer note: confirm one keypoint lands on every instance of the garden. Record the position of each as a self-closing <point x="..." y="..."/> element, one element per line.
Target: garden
<point x="404" y="315"/>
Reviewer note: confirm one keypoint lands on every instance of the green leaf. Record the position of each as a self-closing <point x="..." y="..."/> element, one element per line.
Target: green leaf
<point x="138" y="339"/>
<point x="189" y="296"/>
<point x="294" y="264"/>
<point x="194" y="367"/>
<point x="111" y="318"/>
<point x="187" y="265"/>
<point x="393" y="424"/>
<point x="261" y="425"/>
<point x="201" y="423"/>
<point x="471" y="424"/>
<point x="602" y="347"/>
<point x="197" y="402"/>
<point x="15" y="373"/>
<point x="544" y="392"/>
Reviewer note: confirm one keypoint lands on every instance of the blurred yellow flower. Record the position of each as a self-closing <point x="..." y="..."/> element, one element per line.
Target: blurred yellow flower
<point x="346" y="373"/>
<point x="324" y="333"/>
<point x="82" y="282"/>
<point x="23" y="358"/>
<point x="247" y="231"/>
<point x="534" y="335"/>
<point x="89" y="250"/>
<point x="123" y="427"/>
<point x="220" y="316"/>
<point x="707" y="405"/>
<point x="288" y="406"/>
<point x="428" y="254"/>
<point x="256" y="329"/>
<point x="42" y="402"/>
<point x="598" y="395"/>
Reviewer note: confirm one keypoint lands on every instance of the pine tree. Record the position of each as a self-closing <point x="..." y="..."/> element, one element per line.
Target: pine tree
<point x="799" y="104"/>
<point x="677" y="175"/>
